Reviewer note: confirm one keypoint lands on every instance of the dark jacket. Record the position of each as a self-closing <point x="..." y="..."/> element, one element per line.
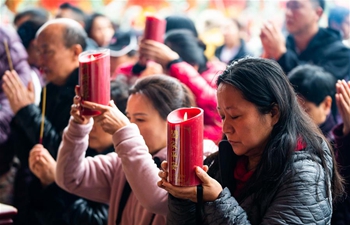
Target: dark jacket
<point x="50" y="205"/>
<point x="325" y="50"/>
<point x="341" y="215"/>
<point x="20" y="64"/>
<point x="294" y="202"/>
<point x="242" y="52"/>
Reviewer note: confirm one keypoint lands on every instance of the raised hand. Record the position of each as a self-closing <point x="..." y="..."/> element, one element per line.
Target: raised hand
<point x="211" y="188"/>
<point x="18" y="95"/>
<point x="157" y="52"/>
<point x="42" y="165"/>
<point x="273" y="41"/>
<point x="110" y="119"/>
<point x="342" y="98"/>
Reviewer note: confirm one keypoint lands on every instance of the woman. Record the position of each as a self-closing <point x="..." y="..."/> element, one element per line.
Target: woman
<point x="182" y="56"/>
<point x="275" y="167"/>
<point x="126" y="180"/>
<point x="99" y="28"/>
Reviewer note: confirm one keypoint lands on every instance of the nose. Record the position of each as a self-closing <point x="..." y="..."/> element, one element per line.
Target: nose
<point x="227" y="128"/>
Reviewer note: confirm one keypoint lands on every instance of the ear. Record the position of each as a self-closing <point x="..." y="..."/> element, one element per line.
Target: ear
<point x="319" y="12"/>
<point x="275" y="114"/>
<point x="326" y="105"/>
<point x="76" y="49"/>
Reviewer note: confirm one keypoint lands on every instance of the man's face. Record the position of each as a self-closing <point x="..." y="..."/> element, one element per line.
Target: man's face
<point x="55" y="60"/>
<point x="301" y="15"/>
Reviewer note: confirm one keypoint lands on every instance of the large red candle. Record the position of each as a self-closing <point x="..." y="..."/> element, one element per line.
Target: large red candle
<point x="154" y="28"/>
<point x="94" y="78"/>
<point x="185" y="145"/>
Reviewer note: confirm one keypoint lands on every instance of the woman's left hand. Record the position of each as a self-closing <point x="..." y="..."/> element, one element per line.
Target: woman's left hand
<point x="211" y="188"/>
<point x="111" y="118"/>
<point x="157" y="52"/>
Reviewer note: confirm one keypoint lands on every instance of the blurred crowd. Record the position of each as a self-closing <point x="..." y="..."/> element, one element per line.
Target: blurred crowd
<point x="40" y="50"/>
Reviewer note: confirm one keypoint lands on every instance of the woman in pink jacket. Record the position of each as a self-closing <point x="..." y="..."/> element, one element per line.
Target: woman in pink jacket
<point x="126" y="179"/>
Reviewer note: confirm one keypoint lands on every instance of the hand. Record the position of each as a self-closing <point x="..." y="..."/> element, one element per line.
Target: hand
<point x="273" y="41"/>
<point x="152" y="68"/>
<point x="42" y="164"/>
<point x="18" y="95"/>
<point x="342" y="98"/>
<point x="157" y="52"/>
<point x="211" y="188"/>
<point x="110" y="119"/>
<point x="75" y="110"/>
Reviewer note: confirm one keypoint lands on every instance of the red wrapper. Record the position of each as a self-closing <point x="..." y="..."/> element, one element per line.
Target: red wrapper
<point x="94" y="78"/>
<point x="185" y="145"/>
<point x="154" y="29"/>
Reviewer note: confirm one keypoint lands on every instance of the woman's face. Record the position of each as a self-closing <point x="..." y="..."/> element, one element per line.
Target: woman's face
<point x="102" y="31"/>
<point x="98" y="139"/>
<point x="246" y="128"/>
<point x="152" y="127"/>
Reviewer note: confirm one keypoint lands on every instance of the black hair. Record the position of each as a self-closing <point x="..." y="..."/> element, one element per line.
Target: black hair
<point x="78" y="14"/>
<point x="39" y="14"/>
<point x="27" y="31"/>
<point x="165" y="93"/>
<point x="337" y="14"/>
<point x="263" y="83"/>
<point x="90" y="21"/>
<point x="189" y="48"/>
<point x="312" y="82"/>
<point x="175" y="22"/>
<point x="120" y="92"/>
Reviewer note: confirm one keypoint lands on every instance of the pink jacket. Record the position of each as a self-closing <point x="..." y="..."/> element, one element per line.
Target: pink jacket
<point x="203" y="87"/>
<point x="102" y="178"/>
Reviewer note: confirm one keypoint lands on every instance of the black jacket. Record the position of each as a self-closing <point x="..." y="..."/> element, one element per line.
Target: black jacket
<point x="300" y="199"/>
<point x="50" y="205"/>
<point x="325" y="50"/>
<point x="242" y="52"/>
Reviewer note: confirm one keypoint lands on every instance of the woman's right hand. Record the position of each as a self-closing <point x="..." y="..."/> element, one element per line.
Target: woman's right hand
<point x="75" y="110"/>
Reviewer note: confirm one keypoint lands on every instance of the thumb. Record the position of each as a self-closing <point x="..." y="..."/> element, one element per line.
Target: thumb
<point x="30" y="86"/>
<point x="202" y="175"/>
<point x="111" y="103"/>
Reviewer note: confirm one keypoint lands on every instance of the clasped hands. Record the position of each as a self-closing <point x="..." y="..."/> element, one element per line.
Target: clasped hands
<point x="211" y="188"/>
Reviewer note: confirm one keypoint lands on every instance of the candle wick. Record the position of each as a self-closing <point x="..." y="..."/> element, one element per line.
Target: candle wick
<point x="185" y="116"/>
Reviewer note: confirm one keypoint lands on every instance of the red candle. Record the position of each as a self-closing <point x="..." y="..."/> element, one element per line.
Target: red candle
<point x="185" y="145"/>
<point x="94" y="78"/>
<point x="154" y="29"/>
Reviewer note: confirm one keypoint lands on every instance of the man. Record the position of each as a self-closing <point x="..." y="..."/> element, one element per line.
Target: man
<point x="307" y="42"/>
<point x="60" y="42"/>
<point x="339" y="19"/>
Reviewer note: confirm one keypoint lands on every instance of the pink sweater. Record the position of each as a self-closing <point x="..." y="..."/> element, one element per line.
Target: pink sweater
<point x="102" y="178"/>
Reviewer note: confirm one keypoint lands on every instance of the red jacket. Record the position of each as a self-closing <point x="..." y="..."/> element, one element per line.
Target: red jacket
<point x="203" y="87"/>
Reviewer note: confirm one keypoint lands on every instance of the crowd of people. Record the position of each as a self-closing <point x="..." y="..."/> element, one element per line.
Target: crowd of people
<point x="276" y="124"/>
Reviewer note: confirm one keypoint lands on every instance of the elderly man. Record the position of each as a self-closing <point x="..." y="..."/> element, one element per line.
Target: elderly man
<point x="60" y="42"/>
<point x="307" y="42"/>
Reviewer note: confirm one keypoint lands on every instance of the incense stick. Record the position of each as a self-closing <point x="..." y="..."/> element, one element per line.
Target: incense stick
<point x="43" y="116"/>
<point x="8" y="54"/>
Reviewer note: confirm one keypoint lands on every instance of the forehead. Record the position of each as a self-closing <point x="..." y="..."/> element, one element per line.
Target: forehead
<point x="230" y="97"/>
<point x="139" y="103"/>
<point x="51" y="35"/>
